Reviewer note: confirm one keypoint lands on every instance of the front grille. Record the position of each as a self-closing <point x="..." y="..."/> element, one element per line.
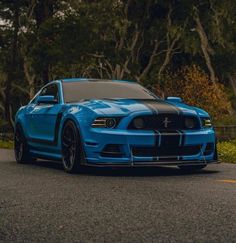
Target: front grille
<point x="164" y="122"/>
<point x="171" y="138"/>
<point x="166" y="151"/>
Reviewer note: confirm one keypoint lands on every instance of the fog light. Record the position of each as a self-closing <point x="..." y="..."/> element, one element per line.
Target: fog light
<point x="110" y="123"/>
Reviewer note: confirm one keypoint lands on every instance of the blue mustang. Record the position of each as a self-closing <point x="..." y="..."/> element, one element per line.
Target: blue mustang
<point x="112" y="123"/>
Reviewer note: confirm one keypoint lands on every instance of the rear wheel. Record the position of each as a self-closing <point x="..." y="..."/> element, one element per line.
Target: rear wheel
<point x="21" y="148"/>
<point x="72" y="153"/>
<point x="191" y="168"/>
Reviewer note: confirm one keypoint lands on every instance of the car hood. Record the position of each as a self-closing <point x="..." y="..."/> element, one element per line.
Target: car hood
<point x="122" y="107"/>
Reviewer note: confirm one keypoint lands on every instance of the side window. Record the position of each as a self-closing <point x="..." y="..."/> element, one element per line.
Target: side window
<point x="51" y="90"/>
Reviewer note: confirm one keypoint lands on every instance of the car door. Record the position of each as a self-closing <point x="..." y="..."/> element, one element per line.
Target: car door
<point x="42" y="118"/>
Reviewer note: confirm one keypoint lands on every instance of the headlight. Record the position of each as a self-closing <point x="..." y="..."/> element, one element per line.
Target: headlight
<point x="105" y="122"/>
<point x="206" y="122"/>
<point x="138" y="123"/>
<point x="189" y="123"/>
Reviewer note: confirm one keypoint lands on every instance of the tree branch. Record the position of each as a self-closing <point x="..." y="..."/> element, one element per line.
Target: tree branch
<point x="205" y="47"/>
<point x="2" y="108"/>
<point x="150" y="62"/>
<point x="20" y="88"/>
<point x="11" y="116"/>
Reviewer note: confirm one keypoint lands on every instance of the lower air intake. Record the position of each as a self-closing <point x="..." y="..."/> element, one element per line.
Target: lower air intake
<point x="166" y="151"/>
<point x="112" y="150"/>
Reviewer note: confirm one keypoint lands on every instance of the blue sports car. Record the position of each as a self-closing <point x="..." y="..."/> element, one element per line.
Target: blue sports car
<point x="112" y="123"/>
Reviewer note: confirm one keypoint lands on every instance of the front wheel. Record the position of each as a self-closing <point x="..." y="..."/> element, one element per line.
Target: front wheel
<point x="191" y="168"/>
<point x="72" y="152"/>
<point x="21" y="147"/>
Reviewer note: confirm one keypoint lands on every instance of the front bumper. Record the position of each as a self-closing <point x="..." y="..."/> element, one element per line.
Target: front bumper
<point x="152" y="164"/>
<point x="96" y="140"/>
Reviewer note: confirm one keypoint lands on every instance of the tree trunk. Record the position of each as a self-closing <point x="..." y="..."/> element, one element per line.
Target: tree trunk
<point x="232" y="79"/>
<point x="30" y="78"/>
<point x="43" y="11"/>
<point x="28" y="70"/>
<point x="149" y="65"/>
<point x="11" y="74"/>
<point x="206" y="49"/>
<point x="168" y="56"/>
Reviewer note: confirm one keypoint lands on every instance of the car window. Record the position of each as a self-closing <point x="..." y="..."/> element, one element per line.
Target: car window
<point x="51" y="90"/>
<point x="102" y="89"/>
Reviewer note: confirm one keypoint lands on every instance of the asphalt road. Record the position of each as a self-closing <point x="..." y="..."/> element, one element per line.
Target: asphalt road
<point x="41" y="203"/>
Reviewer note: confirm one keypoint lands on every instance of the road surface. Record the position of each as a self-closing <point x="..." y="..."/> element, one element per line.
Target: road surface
<point x="41" y="203"/>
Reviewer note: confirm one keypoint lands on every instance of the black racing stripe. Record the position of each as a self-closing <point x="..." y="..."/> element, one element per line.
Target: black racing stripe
<point x="157" y="137"/>
<point x="150" y="106"/>
<point x="161" y="106"/>
<point x="170" y="138"/>
<point x="183" y="138"/>
<point x="182" y="142"/>
<point x="180" y="112"/>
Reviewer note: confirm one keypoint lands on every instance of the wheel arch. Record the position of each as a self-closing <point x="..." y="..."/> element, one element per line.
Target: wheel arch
<point x="76" y="123"/>
<point x="78" y="127"/>
<point x="19" y="124"/>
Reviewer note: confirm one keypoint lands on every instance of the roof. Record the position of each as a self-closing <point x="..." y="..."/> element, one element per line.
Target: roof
<point x="75" y="79"/>
<point x="91" y="80"/>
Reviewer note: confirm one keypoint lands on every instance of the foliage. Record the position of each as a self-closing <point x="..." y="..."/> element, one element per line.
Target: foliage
<point x="132" y="39"/>
<point x="193" y="85"/>
<point x="227" y="151"/>
<point x="6" y="144"/>
<point x="226" y="120"/>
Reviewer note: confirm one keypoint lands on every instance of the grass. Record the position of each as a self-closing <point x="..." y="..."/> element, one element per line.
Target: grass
<point x="227" y="151"/>
<point x="6" y="144"/>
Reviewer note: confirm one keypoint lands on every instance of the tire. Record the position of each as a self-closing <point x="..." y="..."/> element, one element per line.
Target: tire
<point x="191" y="168"/>
<point x="72" y="150"/>
<point x="21" y="147"/>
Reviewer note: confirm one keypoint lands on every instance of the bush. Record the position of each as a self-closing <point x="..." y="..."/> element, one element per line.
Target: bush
<point x="6" y="144"/>
<point x="194" y="86"/>
<point x="227" y="151"/>
<point x="227" y="120"/>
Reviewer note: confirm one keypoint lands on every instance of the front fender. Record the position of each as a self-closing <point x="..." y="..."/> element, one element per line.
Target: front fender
<point x="81" y="116"/>
<point x="20" y="118"/>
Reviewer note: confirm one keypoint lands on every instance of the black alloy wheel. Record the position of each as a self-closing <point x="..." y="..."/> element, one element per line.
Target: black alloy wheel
<point x="21" y="147"/>
<point x="72" y="153"/>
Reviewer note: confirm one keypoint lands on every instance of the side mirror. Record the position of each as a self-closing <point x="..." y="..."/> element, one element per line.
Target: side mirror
<point x="46" y="99"/>
<point x="174" y="99"/>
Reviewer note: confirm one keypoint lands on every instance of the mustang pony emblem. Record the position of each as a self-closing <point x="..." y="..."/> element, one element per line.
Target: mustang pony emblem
<point x="166" y="122"/>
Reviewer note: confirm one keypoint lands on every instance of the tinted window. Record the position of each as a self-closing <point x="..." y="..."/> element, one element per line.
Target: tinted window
<point x="51" y="90"/>
<point x="84" y="90"/>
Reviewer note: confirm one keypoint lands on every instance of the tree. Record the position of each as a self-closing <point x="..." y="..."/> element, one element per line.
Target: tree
<point x="11" y="12"/>
<point x="119" y="39"/>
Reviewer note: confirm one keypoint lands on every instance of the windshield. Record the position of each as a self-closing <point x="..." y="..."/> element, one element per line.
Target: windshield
<point x="86" y="90"/>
